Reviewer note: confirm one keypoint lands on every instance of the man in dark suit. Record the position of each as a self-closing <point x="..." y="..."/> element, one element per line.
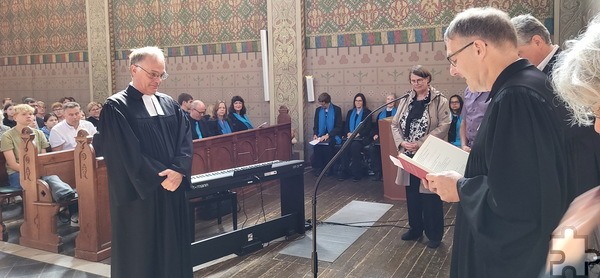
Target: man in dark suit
<point x="534" y="43"/>
<point x="198" y="121"/>
<point x="582" y="142"/>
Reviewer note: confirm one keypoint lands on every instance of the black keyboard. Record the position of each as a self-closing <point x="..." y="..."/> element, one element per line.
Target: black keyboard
<point x="208" y="183"/>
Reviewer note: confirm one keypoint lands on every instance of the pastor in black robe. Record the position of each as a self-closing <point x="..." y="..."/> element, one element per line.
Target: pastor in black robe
<point x="514" y="190"/>
<point x="150" y="229"/>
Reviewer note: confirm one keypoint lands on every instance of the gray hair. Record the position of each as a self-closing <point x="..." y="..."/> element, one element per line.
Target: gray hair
<point x="528" y="26"/>
<point x="71" y="104"/>
<point x="576" y="74"/>
<point x="489" y="24"/>
<point x="139" y="54"/>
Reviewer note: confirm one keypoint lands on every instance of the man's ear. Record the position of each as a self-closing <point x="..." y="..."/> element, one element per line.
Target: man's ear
<point x="537" y="40"/>
<point x="479" y="46"/>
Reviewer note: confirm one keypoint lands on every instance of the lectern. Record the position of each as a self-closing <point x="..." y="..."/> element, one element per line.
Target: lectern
<point x="391" y="190"/>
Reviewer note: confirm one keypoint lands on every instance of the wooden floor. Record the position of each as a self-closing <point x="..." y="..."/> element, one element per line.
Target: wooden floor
<point x="379" y="252"/>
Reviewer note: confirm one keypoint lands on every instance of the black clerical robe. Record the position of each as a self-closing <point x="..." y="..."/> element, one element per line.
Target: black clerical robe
<point x="150" y="234"/>
<point x="514" y="190"/>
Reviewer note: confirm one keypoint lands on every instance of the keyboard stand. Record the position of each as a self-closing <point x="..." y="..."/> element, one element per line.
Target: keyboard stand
<point x="252" y="238"/>
<point x="218" y="198"/>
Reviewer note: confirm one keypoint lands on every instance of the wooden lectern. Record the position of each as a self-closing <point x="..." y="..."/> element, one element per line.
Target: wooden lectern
<point x="391" y="190"/>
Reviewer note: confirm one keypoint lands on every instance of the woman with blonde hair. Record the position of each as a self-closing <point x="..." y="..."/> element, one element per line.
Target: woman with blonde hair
<point x="94" y="110"/>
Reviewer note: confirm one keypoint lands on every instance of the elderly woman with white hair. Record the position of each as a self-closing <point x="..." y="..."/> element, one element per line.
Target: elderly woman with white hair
<point x="576" y="79"/>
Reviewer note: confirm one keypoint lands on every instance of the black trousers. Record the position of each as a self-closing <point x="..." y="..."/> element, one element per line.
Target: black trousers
<point x="352" y="160"/>
<point x="322" y="154"/>
<point x="375" y="154"/>
<point x="425" y="211"/>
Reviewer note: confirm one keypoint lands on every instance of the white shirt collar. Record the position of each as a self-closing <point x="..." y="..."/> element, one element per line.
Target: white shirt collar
<point x="544" y="62"/>
<point x="152" y="105"/>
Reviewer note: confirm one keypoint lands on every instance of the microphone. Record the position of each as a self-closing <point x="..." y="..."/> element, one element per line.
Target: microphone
<point x="314" y="256"/>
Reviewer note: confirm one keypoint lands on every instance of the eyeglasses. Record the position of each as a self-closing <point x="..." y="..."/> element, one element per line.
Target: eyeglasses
<point x="417" y="81"/>
<point x="154" y="75"/>
<point x="199" y="112"/>
<point x="453" y="62"/>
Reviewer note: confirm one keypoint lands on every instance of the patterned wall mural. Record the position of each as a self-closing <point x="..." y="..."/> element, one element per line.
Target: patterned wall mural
<point x="189" y="27"/>
<point x="54" y="31"/>
<point x="42" y="32"/>
<point x="335" y="23"/>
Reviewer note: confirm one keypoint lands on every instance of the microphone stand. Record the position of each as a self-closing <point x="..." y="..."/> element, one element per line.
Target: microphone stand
<point x="314" y="257"/>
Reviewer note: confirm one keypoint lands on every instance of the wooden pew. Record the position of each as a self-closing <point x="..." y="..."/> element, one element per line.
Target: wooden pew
<point x="5" y="193"/>
<point x="40" y="211"/>
<point x="94" y="240"/>
<point x="242" y="148"/>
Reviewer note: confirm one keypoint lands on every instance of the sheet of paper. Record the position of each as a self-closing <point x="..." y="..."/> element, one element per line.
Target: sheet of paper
<point x="439" y="155"/>
<point x="314" y="142"/>
<point x="261" y="125"/>
<point x="396" y="161"/>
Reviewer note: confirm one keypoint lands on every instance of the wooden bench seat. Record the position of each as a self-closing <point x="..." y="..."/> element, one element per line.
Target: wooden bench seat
<point x="39" y="209"/>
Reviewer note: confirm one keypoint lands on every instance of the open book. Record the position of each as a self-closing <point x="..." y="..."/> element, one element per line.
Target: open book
<point x="435" y="155"/>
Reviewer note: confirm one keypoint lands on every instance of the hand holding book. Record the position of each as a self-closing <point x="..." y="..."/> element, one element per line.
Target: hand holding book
<point x="438" y="164"/>
<point x="444" y="185"/>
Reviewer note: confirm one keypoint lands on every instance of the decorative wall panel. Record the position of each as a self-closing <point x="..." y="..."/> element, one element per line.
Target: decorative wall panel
<point x="189" y="27"/>
<point x="42" y="32"/>
<point x="46" y="82"/>
<point x="340" y="23"/>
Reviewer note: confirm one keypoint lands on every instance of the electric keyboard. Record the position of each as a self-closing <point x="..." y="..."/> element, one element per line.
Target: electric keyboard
<point x="208" y="183"/>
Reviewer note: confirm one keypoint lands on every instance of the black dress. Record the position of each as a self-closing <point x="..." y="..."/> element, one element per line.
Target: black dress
<point x="514" y="191"/>
<point x="150" y="228"/>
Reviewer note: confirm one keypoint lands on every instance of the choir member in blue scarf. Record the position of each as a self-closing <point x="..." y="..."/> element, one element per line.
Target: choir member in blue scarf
<point x="375" y="150"/>
<point x="328" y="129"/>
<point x="219" y="122"/>
<point x="238" y="119"/>
<point x="456" y="104"/>
<point x="353" y="160"/>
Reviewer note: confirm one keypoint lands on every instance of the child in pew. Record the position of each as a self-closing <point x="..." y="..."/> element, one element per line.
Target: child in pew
<point x="9" y="145"/>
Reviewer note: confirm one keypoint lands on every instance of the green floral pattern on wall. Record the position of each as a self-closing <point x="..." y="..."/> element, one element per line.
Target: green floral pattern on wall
<point x="33" y="32"/>
<point x="55" y="31"/>
<point x="189" y="27"/>
<point x="336" y="23"/>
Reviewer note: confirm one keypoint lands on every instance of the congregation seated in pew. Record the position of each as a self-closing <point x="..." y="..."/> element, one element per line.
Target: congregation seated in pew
<point x="9" y="146"/>
<point x="62" y="136"/>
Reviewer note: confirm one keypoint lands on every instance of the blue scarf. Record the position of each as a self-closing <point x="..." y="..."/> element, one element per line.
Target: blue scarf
<point x="225" y="129"/>
<point x="198" y="130"/>
<point x="354" y="120"/>
<point x="327" y="122"/>
<point x="382" y="115"/>
<point x="244" y="119"/>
